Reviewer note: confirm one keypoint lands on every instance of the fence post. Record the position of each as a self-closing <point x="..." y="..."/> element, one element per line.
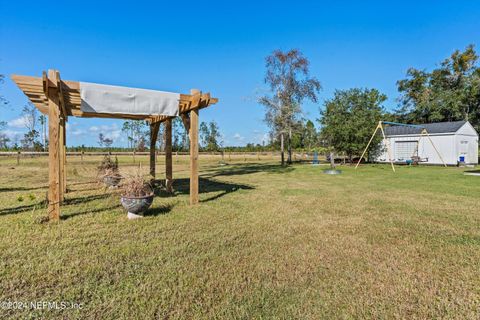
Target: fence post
<point x="18" y="158"/>
<point x="81" y="156"/>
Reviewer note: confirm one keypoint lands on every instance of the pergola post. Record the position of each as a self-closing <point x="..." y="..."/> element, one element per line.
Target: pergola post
<point x="61" y="146"/>
<point x="154" y="127"/>
<point x="54" y="192"/>
<point x="193" y="134"/>
<point x="168" y="155"/>
<point x="65" y="156"/>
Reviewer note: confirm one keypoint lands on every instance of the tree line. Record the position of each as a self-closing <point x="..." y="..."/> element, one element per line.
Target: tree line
<point x="345" y="121"/>
<point x="450" y="92"/>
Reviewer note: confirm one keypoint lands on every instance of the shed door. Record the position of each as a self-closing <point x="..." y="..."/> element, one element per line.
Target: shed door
<point x="463" y="147"/>
<point x="404" y="150"/>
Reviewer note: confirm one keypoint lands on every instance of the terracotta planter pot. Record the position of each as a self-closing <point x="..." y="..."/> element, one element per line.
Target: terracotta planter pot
<point x="136" y="205"/>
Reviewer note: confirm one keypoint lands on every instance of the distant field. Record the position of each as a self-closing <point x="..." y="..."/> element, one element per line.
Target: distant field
<point x="265" y="242"/>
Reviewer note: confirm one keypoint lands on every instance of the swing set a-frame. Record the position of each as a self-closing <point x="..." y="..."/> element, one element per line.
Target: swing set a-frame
<point x="381" y="125"/>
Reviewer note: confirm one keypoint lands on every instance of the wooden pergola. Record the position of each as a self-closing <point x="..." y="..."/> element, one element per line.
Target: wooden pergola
<point x="59" y="99"/>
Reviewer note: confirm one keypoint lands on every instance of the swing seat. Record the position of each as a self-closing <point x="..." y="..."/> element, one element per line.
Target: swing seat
<point x="417" y="160"/>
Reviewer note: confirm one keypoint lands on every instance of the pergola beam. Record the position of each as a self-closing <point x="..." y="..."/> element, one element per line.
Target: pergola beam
<point x="36" y="89"/>
<point x="168" y="155"/>
<point x="60" y="96"/>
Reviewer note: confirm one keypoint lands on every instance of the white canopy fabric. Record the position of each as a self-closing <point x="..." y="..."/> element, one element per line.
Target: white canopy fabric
<point x="102" y="98"/>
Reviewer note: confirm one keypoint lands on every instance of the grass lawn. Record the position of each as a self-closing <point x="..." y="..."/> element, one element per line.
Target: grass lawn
<point x="265" y="242"/>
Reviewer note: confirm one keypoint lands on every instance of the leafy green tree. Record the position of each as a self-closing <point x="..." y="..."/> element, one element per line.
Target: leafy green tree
<point x="30" y="116"/>
<point x="450" y="92"/>
<point x="179" y="135"/>
<point x="210" y="136"/>
<point x="310" y="135"/>
<point x="290" y="84"/>
<point x="3" y="100"/>
<point x="3" y="137"/>
<point x="42" y="119"/>
<point x="348" y="120"/>
<point x="137" y="132"/>
<point x="104" y="141"/>
<point x="161" y="137"/>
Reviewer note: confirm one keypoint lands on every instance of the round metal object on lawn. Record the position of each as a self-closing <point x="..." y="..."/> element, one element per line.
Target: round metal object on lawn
<point x="332" y="171"/>
<point x="472" y="173"/>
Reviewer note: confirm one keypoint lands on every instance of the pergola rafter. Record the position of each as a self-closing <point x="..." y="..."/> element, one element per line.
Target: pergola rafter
<point x="59" y="99"/>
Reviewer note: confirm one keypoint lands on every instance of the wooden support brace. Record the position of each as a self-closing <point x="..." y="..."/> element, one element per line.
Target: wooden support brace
<point x="154" y="128"/>
<point x="186" y="121"/>
<point x="65" y="157"/>
<point x="387" y="144"/>
<point x="425" y="132"/>
<point x="369" y="142"/>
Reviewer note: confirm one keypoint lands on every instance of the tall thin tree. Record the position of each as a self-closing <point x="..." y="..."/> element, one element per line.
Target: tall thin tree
<point x="290" y="84"/>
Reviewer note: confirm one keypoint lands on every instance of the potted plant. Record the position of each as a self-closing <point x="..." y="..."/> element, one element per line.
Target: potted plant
<point x="108" y="172"/>
<point x="137" y="196"/>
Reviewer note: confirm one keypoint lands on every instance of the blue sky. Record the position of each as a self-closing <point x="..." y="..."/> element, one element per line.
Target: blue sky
<point x="220" y="46"/>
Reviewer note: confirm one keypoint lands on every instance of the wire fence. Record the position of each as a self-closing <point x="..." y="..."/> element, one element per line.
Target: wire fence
<point x="21" y="156"/>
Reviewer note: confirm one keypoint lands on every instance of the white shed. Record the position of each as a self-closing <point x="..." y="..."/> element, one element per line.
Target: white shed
<point x="455" y="141"/>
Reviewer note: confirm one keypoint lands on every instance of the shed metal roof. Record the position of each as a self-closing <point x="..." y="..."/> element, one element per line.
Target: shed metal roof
<point x="438" y="127"/>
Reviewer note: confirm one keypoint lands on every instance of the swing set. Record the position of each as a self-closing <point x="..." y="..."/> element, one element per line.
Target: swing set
<point x="415" y="157"/>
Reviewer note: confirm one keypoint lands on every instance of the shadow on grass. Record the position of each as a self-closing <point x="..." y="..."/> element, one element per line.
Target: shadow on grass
<point x="22" y="188"/>
<point x="182" y="187"/>
<point x="78" y="200"/>
<point x="43" y="204"/>
<point x="241" y="169"/>
<point x="43" y="187"/>
<point x="97" y="210"/>
<point x="153" y="212"/>
<point x="23" y="208"/>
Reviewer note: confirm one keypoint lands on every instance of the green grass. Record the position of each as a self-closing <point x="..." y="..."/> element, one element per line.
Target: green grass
<point x="265" y="242"/>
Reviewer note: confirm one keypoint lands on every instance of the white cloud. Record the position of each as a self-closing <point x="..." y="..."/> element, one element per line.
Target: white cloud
<point x="114" y="135"/>
<point x="12" y="134"/>
<point x="18" y="122"/>
<point x="238" y="137"/>
<point x="104" y="128"/>
<point x="77" y="132"/>
<point x="260" y="137"/>
<point x="109" y="131"/>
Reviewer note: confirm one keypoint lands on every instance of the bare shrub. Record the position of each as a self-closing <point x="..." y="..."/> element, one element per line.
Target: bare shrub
<point x="136" y="186"/>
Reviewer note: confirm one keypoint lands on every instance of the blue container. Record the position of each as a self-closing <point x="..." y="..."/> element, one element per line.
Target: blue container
<point x="462" y="158"/>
